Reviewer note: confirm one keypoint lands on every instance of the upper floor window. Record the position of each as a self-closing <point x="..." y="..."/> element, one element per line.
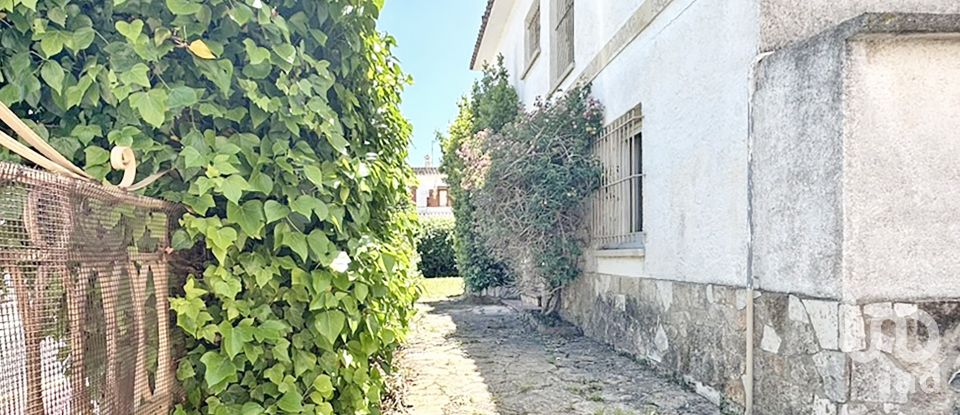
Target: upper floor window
<point x="532" y="38"/>
<point x="562" y="41"/>
<point x="617" y="207"/>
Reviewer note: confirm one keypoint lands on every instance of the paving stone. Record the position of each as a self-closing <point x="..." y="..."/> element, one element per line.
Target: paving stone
<point x="466" y="359"/>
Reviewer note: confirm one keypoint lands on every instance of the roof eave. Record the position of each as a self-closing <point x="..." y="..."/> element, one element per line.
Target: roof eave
<point x="491" y="27"/>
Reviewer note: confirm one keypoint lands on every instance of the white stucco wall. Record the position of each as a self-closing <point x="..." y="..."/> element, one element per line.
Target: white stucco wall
<point x="902" y="168"/>
<point x="426" y="183"/>
<point x="785" y="21"/>
<point x="688" y="69"/>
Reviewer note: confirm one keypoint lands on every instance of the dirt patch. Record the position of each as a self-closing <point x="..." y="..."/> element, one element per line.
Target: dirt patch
<point x="465" y="358"/>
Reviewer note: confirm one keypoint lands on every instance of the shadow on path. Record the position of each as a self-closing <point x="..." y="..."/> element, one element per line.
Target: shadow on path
<point x="464" y="358"/>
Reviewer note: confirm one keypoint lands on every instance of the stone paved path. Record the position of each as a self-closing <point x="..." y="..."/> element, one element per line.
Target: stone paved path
<point x="474" y="359"/>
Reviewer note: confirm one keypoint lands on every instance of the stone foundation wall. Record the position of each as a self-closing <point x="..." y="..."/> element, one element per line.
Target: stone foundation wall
<point x="811" y="356"/>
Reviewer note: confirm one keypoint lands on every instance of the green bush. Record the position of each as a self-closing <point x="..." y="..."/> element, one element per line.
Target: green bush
<point x="492" y="104"/>
<point x="530" y="202"/>
<point x="279" y="123"/>
<point x="435" y="246"/>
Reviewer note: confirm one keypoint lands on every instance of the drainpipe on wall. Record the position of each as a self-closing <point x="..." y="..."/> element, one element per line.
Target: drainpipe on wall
<point x="751" y="279"/>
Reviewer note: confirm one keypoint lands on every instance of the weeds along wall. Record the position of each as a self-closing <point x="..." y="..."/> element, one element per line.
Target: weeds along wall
<point x="278" y="126"/>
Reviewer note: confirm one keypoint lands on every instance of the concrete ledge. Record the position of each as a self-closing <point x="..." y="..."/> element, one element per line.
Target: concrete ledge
<point x="620" y="253"/>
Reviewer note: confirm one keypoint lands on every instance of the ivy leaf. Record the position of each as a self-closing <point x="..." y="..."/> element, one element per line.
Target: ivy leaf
<point x="240" y="14"/>
<point x="220" y="72"/>
<point x="286" y="52"/>
<point x="323" y="250"/>
<point x="192" y="158"/>
<point x="233" y="187"/>
<point x="249" y="216"/>
<point x="252" y="408"/>
<point x="330" y="324"/>
<point x="297" y="242"/>
<point x="314" y="174"/>
<point x="183" y="7"/>
<point x="217" y="369"/>
<point x="324" y="386"/>
<point x="255" y="53"/>
<point x="52" y="74"/>
<point x="151" y="105"/>
<point x="130" y="30"/>
<point x="82" y="38"/>
<point x="291" y="401"/>
<point x="30" y="4"/>
<point x="234" y="338"/>
<point x="305" y="205"/>
<point x="96" y="156"/>
<point x="222" y="238"/>
<point x="137" y="75"/>
<point x="182" y="97"/>
<point x="201" y="50"/>
<point x="52" y="42"/>
<point x="275" y="211"/>
<point x="181" y="241"/>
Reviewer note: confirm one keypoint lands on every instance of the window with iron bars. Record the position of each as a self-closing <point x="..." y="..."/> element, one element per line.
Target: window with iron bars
<point x="562" y="41"/>
<point x="617" y="206"/>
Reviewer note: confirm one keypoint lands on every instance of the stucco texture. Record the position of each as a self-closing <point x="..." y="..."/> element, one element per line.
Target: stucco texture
<point x="785" y="21"/>
<point x="902" y="168"/>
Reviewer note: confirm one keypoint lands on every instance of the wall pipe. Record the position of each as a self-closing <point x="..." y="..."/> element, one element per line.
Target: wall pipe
<point x="751" y="279"/>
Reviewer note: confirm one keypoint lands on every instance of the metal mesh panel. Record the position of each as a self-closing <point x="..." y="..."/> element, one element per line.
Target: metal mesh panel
<point x="84" y="326"/>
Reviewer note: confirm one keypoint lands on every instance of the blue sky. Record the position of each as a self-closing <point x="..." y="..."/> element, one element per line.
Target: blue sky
<point x="436" y="39"/>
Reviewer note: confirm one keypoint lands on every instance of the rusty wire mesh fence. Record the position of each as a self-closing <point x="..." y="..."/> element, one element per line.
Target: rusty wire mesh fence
<point x="84" y="287"/>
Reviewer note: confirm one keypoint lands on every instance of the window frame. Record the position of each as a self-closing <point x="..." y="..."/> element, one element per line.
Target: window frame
<point x="531" y="51"/>
<point x="616" y="208"/>
<point x="558" y="71"/>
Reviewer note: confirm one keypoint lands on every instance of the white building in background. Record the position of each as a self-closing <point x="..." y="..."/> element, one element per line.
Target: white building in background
<point x="806" y="150"/>
<point x="432" y="195"/>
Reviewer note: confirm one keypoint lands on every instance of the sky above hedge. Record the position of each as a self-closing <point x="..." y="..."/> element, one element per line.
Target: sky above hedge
<point x="436" y="40"/>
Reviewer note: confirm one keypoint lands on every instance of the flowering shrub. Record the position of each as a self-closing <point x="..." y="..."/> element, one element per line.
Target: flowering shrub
<point x="492" y="104"/>
<point x="530" y="203"/>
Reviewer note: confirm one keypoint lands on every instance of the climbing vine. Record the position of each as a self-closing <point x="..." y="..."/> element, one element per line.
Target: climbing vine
<point x="277" y="123"/>
<point x="492" y="104"/>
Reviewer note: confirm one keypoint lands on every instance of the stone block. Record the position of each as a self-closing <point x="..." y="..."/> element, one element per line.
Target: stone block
<point x="832" y="368"/>
<point x="665" y="294"/>
<point x="880" y="380"/>
<point x="770" y="341"/>
<point x="852" y="333"/>
<point x="824" y="407"/>
<point x="824" y="316"/>
<point x="878" y="310"/>
<point x="795" y="310"/>
<point x="904" y="309"/>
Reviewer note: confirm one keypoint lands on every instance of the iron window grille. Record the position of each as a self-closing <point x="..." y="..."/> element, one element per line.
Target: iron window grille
<point x="617" y="206"/>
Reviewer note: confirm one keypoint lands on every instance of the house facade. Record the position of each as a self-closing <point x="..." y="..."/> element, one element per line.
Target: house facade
<point x="777" y="223"/>
<point x="432" y="195"/>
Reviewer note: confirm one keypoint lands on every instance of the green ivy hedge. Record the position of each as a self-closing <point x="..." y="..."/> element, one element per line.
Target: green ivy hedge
<point x="279" y="123"/>
<point x="435" y="246"/>
<point x="492" y="104"/>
